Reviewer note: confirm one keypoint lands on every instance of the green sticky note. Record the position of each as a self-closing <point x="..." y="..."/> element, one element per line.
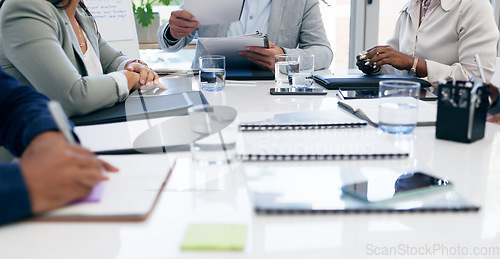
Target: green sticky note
<point x="215" y="237"/>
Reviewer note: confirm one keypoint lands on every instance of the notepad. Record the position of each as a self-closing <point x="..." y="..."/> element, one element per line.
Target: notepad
<point x="230" y="46"/>
<point x="325" y="119"/>
<point x="317" y="189"/>
<point x="325" y="144"/>
<point x="215" y="237"/>
<point x="427" y="111"/>
<point x="129" y="194"/>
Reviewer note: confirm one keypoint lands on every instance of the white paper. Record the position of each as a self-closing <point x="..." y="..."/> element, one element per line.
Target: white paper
<point x="214" y="11"/>
<point x="427" y="111"/>
<point x="352" y="141"/>
<point x="300" y="117"/>
<point x="114" y="136"/>
<point x="230" y="46"/>
<point x="129" y="193"/>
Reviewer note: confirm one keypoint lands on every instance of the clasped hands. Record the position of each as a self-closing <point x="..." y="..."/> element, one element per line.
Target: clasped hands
<point x="141" y="76"/>
<point x="371" y="60"/>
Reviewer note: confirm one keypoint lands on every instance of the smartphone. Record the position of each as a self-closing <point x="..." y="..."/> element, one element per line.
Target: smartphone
<point x="363" y="93"/>
<point x="386" y="189"/>
<point x="297" y="91"/>
<point x="358" y="93"/>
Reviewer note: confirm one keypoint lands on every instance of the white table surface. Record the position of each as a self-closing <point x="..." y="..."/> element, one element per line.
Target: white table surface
<point x="197" y="195"/>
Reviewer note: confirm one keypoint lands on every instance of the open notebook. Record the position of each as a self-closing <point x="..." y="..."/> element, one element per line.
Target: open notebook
<point x="129" y="194"/>
<point x="317" y="189"/>
<point x="325" y="144"/>
<point x="324" y="119"/>
<point x="427" y="111"/>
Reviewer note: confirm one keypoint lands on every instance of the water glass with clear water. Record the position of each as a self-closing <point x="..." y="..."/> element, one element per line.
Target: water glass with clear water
<point x="218" y="131"/>
<point x="398" y="107"/>
<point x="212" y="73"/>
<point x="301" y="70"/>
<point x="281" y="68"/>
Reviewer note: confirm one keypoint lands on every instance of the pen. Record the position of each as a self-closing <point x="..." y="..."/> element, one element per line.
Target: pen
<point x="61" y="121"/>
<point x="479" y="67"/>
<point x="358" y="113"/>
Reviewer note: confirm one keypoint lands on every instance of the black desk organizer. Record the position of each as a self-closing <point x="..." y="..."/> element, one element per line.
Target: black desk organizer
<point x="461" y="116"/>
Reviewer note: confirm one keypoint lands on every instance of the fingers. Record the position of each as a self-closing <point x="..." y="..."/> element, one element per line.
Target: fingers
<point x="182" y="23"/>
<point x="108" y="167"/>
<point x="258" y="59"/>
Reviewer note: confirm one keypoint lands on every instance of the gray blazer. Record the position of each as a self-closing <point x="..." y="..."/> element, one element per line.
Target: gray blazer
<point x="294" y="25"/>
<point x="39" y="48"/>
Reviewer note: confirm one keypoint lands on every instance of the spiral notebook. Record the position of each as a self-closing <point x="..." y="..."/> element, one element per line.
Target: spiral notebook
<point x="326" y="119"/>
<point x="326" y="144"/>
<point x="317" y="189"/>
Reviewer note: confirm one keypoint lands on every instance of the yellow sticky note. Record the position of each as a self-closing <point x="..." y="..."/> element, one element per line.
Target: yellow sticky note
<point x="215" y="237"/>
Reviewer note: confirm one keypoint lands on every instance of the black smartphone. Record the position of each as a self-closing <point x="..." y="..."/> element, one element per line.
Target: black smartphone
<point x="297" y="91"/>
<point x="384" y="189"/>
<point x="361" y="93"/>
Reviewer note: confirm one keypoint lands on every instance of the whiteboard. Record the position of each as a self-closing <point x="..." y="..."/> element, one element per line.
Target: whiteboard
<point x="115" y="20"/>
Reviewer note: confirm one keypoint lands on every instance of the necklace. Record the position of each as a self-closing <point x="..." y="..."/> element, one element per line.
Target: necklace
<point x="425" y="7"/>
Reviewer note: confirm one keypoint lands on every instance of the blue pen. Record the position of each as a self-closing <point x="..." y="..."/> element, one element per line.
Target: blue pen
<point x="61" y="120"/>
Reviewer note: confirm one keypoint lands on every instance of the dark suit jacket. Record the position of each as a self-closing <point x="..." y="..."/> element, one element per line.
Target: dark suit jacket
<point x="23" y="115"/>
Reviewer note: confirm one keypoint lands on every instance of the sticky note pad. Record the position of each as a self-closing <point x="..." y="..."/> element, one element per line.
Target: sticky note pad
<point x="215" y="237"/>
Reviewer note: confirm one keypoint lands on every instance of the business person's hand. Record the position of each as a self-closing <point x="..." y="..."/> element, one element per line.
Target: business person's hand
<point x="57" y="173"/>
<point x="182" y="23"/>
<point x="262" y="57"/>
<point x="385" y="54"/>
<point x="147" y="76"/>
<point x="361" y="63"/>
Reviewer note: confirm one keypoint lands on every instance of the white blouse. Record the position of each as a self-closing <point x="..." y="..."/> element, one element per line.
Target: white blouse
<point x="452" y="32"/>
<point x="94" y="68"/>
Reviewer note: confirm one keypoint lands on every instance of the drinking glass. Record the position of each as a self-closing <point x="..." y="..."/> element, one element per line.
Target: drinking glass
<point x="218" y="132"/>
<point x="212" y="73"/>
<point x="300" y="70"/>
<point x="398" y="106"/>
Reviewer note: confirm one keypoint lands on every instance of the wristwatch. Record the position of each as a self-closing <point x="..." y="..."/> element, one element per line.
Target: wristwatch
<point x="413" y="70"/>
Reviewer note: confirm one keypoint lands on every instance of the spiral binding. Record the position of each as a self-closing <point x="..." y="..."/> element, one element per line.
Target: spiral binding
<point x="318" y="157"/>
<point x="275" y="127"/>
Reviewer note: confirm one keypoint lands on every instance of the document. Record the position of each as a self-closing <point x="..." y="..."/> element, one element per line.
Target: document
<point x="427" y="111"/>
<point x="129" y="194"/>
<point x="230" y="46"/>
<point x="324" y="144"/>
<point x="138" y="136"/>
<point x="214" y="11"/>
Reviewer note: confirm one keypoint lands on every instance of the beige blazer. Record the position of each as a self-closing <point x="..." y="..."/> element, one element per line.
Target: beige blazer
<point x="452" y="32"/>
<point x="39" y="48"/>
<point x="295" y="25"/>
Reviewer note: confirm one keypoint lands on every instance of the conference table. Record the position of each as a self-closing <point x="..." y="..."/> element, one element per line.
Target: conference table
<point x="197" y="194"/>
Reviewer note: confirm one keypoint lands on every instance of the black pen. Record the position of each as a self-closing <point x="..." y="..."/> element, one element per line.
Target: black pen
<point x="358" y="113"/>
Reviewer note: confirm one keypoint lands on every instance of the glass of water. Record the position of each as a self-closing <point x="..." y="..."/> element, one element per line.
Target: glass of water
<point x="300" y="70"/>
<point x="398" y="106"/>
<point x="281" y="69"/>
<point x="218" y="131"/>
<point x="212" y="73"/>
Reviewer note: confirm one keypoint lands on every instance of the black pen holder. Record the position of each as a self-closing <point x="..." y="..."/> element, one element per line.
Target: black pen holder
<point x="461" y="115"/>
